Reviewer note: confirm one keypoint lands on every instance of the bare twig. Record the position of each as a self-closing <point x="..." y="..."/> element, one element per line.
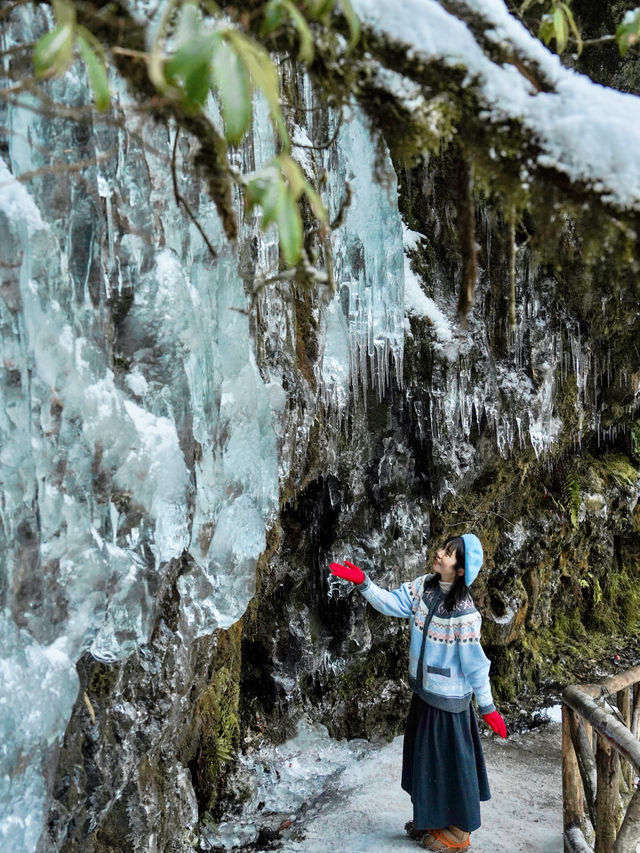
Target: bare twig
<point x="180" y="199"/>
<point x="497" y="514"/>
<point x="64" y="168"/>
<point x="20" y="87"/>
<point x="342" y="210"/>
<point x="125" y="51"/>
<point x="18" y="48"/>
<point x="56" y="110"/>
<point x="601" y="40"/>
<point x="322" y="145"/>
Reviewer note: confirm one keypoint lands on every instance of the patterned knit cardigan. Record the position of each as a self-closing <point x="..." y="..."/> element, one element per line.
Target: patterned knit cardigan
<point x="446" y="662"/>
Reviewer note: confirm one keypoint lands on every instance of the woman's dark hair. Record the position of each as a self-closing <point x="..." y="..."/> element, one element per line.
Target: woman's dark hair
<point x="453" y="546"/>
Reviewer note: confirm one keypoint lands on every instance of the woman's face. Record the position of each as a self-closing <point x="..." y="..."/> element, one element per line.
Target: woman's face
<point x="443" y="565"/>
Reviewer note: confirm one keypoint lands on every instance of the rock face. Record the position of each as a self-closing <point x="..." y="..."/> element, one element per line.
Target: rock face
<point x="183" y="452"/>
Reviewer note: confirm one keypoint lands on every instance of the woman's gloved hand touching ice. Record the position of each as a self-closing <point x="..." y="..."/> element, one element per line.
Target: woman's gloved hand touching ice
<point x="348" y="572"/>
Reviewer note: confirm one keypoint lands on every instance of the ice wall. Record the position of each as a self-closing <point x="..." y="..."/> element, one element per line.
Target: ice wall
<point x="135" y="431"/>
<point x="139" y="440"/>
<point x="364" y="341"/>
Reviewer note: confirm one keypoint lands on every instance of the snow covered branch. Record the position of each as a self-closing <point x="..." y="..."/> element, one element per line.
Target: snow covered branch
<point x="562" y="122"/>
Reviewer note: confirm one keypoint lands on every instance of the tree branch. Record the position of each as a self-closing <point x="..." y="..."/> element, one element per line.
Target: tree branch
<point x="120" y="30"/>
<point x="180" y="199"/>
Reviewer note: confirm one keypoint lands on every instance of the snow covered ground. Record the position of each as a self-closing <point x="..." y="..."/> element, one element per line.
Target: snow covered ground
<point x="523" y="816"/>
<point x="319" y="795"/>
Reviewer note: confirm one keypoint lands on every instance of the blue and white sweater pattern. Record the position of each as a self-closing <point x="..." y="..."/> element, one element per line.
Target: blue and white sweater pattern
<point x="447" y="664"/>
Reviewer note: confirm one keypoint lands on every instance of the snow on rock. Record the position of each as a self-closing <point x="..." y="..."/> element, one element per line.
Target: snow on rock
<point x="418" y="304"/>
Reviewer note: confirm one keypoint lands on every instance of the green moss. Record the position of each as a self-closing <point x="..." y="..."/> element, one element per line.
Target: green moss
<point x="635" y="440"/>
<point x="617" y="470"/>
<point x="306" y="338"/>
<point x="102" y="680"/>
<point x="218" y="719"/>
<point x="380" y="663"/>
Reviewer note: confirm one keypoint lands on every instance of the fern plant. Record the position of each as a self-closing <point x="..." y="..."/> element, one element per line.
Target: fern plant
<point x="572" y="498"/>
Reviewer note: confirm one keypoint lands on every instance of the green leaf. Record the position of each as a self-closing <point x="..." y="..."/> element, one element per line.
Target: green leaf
<point x="267" y="190"/>
<point x="299" y="185"/>
<point x="93" y="43"/>
<point x="191" y="65"/>
<point x="97" y="75"/>
<point x="54" y="51"/>
<point x="272" y="200"/>
<point x="317" y="9"/>
<point x="197" y="83"/>
<point x="64" y="12"/>
<point x="264" y="76"/>
<point x="546" y="31"/>
<point x="560" y="28"/>
<point x="305" y="51"/>
<point x="293" y="174"/>
<point x="186" y="61"/>
<point x="274" y="17"/>
<point x="189" y="25"/>
<point x="527" y="5"/>
<point x="234" y="89"/>
<point x="572" y="25"/>
<point x="316" y="203"/>
<point x="156" y="63"/>
<point x="628" y="32"/>
<point x="352" y="20"/>
<point x="289" y="230"/>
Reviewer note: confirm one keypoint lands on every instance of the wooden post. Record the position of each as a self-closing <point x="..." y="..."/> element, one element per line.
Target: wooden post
<point x="635" y="716"/>
<point x="586" y="762"/>
<point x="629" y="836"/>
<point x="623" y="700"/>
<point x="575" y="842"/>
<point x="588" y="727"/>
<point x="607" y="763"/>
<point x="607" y="725"/>
<point x="572" y="797"/>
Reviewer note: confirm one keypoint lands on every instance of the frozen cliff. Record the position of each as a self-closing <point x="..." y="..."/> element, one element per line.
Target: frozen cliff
<point x="183" y="449"/>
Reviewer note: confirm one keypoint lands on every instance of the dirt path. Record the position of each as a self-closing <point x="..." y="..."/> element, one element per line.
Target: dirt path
<point x="523" y="816"/>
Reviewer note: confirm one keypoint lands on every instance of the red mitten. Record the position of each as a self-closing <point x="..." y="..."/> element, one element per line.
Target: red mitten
<point x="349" y="572"/>
<point x="495" y="721"/>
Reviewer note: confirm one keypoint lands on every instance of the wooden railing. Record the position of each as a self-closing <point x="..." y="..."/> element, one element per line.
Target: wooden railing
<point x="601" y="765"/>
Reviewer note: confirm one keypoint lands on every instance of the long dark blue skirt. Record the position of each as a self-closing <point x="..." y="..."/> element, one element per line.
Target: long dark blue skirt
<point x="443" y="767"/>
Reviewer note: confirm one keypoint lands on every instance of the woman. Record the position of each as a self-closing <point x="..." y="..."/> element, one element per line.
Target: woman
<point x="443" y="766"/>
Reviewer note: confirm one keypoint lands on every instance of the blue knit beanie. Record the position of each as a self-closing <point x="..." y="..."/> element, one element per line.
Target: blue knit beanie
<point x="473" y="556"/>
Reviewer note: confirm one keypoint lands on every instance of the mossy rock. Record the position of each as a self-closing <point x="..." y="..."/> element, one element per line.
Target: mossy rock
<point x="217" y="716"/>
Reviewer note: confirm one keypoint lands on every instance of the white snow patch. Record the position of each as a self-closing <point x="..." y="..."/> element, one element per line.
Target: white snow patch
<point x="137" y="382"/>
<point x="553" y="714"/>
<point x="346" y="795"/>
<point x="16" y="203"/>
<point x="416" y="301"/>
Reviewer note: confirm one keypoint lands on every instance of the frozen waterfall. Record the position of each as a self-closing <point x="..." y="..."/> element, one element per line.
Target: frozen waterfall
<point x="137" y="431"/>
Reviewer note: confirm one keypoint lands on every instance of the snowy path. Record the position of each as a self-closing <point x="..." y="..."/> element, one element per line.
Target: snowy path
<point x="523" y="816"/>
